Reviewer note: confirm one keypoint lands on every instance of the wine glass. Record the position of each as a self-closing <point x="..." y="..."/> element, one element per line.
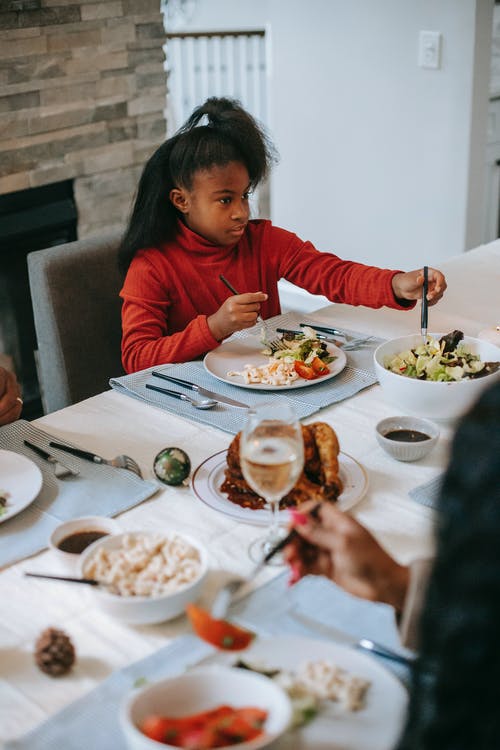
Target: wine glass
<point x="271" y="458"/>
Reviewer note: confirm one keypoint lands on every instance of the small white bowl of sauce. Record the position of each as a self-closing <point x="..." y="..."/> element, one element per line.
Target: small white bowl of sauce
<point x="70" y="538"/>
<point x="407" y="438"/>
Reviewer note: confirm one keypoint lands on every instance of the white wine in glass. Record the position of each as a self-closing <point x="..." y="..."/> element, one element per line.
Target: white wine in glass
<point x="271" y="458"/>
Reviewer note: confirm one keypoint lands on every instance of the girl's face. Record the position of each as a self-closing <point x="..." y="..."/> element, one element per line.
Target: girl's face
<point x="217" y="206"/>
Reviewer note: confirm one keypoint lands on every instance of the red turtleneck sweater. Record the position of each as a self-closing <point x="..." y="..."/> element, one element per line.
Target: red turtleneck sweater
<point x="169" y="291"/>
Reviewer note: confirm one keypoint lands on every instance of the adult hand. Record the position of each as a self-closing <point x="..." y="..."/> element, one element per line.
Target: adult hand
<point x="408" y="286"/>
<point x="10" y="397"/>
<point x="237" y="312"/>
<point x="335" y="545"/>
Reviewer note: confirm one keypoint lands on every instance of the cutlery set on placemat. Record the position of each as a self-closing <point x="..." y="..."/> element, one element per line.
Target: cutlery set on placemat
<point x="210" y="398"/>
<point x="62" y="471"/>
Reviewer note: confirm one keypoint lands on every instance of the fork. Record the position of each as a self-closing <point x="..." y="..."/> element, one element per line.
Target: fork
<point x="350" y="341"/>
<point x="276" y="345"/>
<point x="224" y="596"/>
<point x="119" y="462"/>
<point x="348" y="346"/>
<point x="234" y="291"/>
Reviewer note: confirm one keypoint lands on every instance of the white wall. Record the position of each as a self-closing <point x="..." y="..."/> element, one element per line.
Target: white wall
<point x="375" y="151"/>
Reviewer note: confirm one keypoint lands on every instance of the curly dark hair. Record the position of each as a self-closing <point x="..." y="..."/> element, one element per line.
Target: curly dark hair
<point x="455" y="689"/>
<point x="231" y="134"/>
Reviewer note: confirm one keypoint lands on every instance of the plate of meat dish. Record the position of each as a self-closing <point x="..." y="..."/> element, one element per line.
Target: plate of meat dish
<point x="329" y="474"/>
<point x="250" y="363"/>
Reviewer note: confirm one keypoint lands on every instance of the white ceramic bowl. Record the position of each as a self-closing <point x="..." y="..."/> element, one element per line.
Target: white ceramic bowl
<point x="145" y="610"/>
<point x="425" y="398"/>
<point x="407" y="451"/>
<point x="78" y="525"/>
<point x="200" y="690"/>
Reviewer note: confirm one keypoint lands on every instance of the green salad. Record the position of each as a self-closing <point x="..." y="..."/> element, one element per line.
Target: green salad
<point x="445" y="360"/>
<point x="302" y="347"/>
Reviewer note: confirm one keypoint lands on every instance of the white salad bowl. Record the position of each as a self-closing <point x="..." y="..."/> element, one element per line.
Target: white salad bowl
<point x="425" y="398"/>
<point x="154" y="608"/>
<point x="203" y="689"/>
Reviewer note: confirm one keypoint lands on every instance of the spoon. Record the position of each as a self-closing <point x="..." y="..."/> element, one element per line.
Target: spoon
<point x="204" y="403"/>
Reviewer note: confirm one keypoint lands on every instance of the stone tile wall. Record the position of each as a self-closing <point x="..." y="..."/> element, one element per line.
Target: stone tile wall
<point x="82" y="96"/>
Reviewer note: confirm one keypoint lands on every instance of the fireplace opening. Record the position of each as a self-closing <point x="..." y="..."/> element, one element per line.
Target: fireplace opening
<point x="30" y="220"/>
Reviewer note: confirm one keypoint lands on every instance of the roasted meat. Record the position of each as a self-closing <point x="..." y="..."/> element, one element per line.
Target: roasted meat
<point x="319" y="480"/>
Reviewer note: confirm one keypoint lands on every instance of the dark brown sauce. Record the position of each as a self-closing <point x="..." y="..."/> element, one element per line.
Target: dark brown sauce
<point x="407" y="436"/>
<point x="80" y="540"/>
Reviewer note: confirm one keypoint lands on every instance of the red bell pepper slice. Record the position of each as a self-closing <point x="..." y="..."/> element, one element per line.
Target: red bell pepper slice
<point x="220" y="633"/>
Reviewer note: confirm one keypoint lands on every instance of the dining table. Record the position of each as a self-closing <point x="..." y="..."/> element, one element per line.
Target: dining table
<point x="113" y="422"/>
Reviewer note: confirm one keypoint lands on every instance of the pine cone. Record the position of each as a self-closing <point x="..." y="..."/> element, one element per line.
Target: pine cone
<point x="54" y="652"/>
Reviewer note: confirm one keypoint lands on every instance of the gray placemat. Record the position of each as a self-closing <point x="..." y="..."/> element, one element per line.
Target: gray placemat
<point x="98" y="490"/>
<point x="428" y="493"/>
<point x="92" y="721"/>
<point x="357" y="375"/>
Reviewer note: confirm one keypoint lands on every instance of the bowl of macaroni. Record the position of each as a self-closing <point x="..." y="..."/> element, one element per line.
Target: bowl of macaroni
<point x="147" y="577"/>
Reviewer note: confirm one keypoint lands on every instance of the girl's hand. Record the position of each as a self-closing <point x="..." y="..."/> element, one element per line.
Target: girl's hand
<point x="10" y="397"/>
<point x="337" y="546"/>
<point x="409" y="285"/>
<point x="237" y="312"/>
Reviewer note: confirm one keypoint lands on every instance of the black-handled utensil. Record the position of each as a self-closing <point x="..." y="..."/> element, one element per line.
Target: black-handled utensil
<point x="228" y="284"/>
<point x="198" y="389"/>
<point x="225" y="594"/>
<point x="319" y="336"/>
<point x="313" y="513"/>
<point x="61" y="471"/>
<point x="205" y="403"/>
<point x="425" y="305"/>
<point x="233" y="291"/>
<point x="324" y="329"/>
<point x="70" y="579"/>
<point x="119" y="462"/>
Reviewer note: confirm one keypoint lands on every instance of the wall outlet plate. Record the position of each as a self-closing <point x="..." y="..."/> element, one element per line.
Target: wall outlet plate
<point x="429" y="49"/>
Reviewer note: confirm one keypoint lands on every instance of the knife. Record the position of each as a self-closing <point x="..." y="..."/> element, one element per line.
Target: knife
<point x="324" y="329"/>
<point x="60" y="469"/>
<point x="320" y="336"/>
<point x="202" y="391"/>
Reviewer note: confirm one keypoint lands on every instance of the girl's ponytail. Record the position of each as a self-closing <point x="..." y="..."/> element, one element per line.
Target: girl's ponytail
<point x="227" y="120"/>
<point x="153" y="217"/>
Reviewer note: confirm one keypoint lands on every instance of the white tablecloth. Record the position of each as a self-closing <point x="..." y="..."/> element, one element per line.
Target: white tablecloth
<point x="112" y="423"/>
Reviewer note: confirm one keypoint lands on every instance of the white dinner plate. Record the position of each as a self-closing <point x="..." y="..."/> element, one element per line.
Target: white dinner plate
<point x="209" y="475"/>
<point x="377" y="726"/>
<point x="21" y="479"/>
<point x="234" y="355"/>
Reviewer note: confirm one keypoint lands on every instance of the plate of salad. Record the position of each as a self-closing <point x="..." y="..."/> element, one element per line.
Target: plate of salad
<point x="250" y="362"/>
<point x="447" y="359"/>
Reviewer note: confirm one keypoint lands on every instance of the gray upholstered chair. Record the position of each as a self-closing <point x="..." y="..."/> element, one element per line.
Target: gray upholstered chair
<point x="76" y="308"/>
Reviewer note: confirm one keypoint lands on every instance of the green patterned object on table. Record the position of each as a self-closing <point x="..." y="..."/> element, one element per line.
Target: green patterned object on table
<point x="172" y="466"/>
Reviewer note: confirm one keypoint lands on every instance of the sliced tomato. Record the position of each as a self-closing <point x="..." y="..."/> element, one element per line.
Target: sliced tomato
<point x="218" y="727"/>
<point x="255" y="717"/>
<point x="220" y="633"/>
<point x="156" y="728"/>
<point x="303" y="370"/>
<point x="319" y="367"/>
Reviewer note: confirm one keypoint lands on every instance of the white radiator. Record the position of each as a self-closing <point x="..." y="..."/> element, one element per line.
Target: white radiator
<point x="223" y="63"/>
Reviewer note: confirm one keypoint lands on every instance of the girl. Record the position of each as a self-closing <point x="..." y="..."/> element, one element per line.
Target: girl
<point x="191" y="223"/>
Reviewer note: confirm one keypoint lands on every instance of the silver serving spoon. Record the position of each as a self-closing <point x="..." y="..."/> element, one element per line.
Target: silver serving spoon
<point x="204" y="403"/>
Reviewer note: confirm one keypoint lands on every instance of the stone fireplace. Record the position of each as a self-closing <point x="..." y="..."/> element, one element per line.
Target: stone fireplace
<point x="82" y="103"/>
